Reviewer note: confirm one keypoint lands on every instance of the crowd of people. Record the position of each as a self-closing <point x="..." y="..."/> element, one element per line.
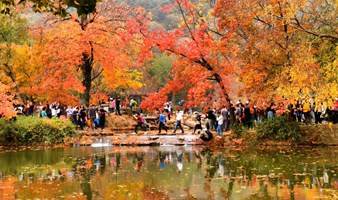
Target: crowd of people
<point x="93" y="116"/>
<point x="219" y="119"/>
<point x="245" y="114"/>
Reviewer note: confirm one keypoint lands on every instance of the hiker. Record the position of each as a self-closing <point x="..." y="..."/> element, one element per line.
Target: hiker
<point x="211" y="123"/>
<point x="82" y="117"/>
<point x="247" y="115"/>
<point x="91" y="116"/>
<point x="140" y="122"/>
<point x="179" y="121"/>
<point x="162" y="122"/>
<point x="43" y="113"/>
<point x="118" y="105"/>
<point x="239" y="113"/>
<point x="198" y="125"/>
<point x="232" y="116"/>
<point x="112" y="105"/>
<point x="48" y="111"/>
<point x="132" y="105"/>
<point x="225" y="115"/>
<point x="206" y="135"/>
<point x="219" y="124"/>
<point x="97" y="119"/>
<point x="102" y="118"/>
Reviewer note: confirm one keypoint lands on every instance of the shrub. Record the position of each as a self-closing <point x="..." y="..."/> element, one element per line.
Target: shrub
<point x="278" y="128"/>
<point x="34" y="130"/>
<point x="238" y="130"/>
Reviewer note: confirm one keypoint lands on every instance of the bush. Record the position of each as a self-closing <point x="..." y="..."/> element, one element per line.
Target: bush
<point x="278" y="128"/>
<point x="238" y="130"/>
<point x="34" y="130"/>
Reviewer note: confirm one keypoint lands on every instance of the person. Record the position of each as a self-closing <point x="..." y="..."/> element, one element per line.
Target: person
<point x="82" y="117"/>
<point x="299" y="111"/>
<point x="118" y="105"/>
<point x="167" y="108"/>
<point x="75" y="116"/>
<point x="97" y="119"/>
<point x="30" y="109"/>
<point x="91" y="116"/>
<point x="255" y="115"/>
<point x="271" y="111"/>
<point x="112" y="105"/>
<point x="225" y="115"/>
<point x="206" y="135"/>
<point x="132" y="105"/>
<point x="306" y="111"/>
<point x="219" y="124"/>
<point x="232" y="116"/>
<point x="198" y="125"/>
<point x="48" y="111"/>
<point x="140" y="121"/>
<point x="102" y="118"/>
<point x="54" y="111"/>
<point x="239" y="112"/>
<point x="69" y="112"/>
<point x="211" y="123"/>
<point x="162" y="122"/>
<point x="247" y="115"/>
<point x="291" y="110"/>
<point x="43" y="113"/>
<point x="179" y="121"/>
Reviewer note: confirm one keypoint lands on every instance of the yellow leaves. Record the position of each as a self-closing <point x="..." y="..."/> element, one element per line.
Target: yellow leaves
<point x="123" y="78"/>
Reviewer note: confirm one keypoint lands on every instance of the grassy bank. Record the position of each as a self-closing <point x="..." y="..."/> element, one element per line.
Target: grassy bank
<point x="25" y="131"/>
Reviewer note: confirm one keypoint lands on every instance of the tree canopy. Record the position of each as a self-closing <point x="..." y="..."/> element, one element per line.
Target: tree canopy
<point x="202" y="51"/>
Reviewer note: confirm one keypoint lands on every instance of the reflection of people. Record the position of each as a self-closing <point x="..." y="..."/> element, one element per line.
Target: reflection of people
<point x="326" y="181"/>
<point x="179" y="163"/>
<point x="162" y="160"/>
<point x="220" y="170"/>
<point x="139" y="162"/>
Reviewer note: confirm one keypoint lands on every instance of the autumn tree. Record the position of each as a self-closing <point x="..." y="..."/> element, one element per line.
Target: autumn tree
<point x="202" y="64"/>
<point x="97" y="43"/>
<point x="286" y="46"/>
<point x="100" y="36"/>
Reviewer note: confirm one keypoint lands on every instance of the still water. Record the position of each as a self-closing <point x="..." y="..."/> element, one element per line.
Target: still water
<point x="169" y="173"/>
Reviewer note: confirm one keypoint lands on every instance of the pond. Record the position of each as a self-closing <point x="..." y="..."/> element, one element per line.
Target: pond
<point x="169" y="172"/>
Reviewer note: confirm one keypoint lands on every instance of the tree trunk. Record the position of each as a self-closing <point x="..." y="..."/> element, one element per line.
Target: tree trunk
<point x="86" y="68"/>
<point x="217" y="77"/>
<point x="219" y="80"/>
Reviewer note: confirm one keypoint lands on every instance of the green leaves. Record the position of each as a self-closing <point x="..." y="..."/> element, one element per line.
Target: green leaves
<point x="278" y="128"/>
<point x="34" y="130"/>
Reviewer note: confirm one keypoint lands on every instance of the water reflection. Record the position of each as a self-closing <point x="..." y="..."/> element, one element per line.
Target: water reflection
<point x="168" y="173"/>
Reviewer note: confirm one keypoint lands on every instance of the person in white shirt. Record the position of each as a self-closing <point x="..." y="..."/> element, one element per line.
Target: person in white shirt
<point x="54" y="111"/>
<point x="179" y="121"/>
<point x="69" y="112"/>
<point x="220" y="121"/>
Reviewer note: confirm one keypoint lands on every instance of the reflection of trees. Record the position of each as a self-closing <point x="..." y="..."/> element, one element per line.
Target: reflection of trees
<point x="271" y="169"/>
<point x="84" y="169"/>
<point x="219" y="174"/>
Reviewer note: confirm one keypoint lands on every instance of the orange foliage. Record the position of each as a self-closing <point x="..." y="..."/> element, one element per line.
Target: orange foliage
<point x="203" y="56"/>
<point x="109" y="36"/>
<point x="6" y="102"/>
